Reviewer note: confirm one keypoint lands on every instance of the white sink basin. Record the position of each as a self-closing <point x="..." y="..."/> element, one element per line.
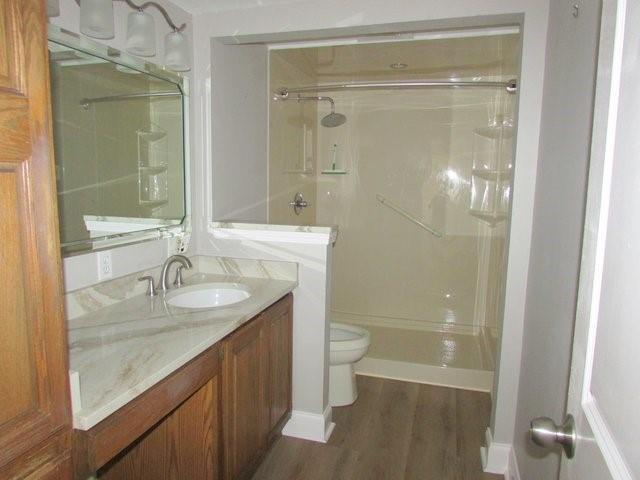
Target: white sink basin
<point x="208" y="295"/>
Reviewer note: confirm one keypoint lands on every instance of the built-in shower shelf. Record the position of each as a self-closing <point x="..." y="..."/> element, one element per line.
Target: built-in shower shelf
<point x="334" y="172"/>
<point x="153" y="203"/>
<point x="151" y="135"/>
<point x="153" y="169"/>
<point x="495" y="132"/>
<point x="489" y="217"/>
<point x="304" y="172"/>
<point x="492" y="175"/>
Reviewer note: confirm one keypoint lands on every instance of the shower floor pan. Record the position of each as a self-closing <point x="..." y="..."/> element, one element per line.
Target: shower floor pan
<point x="447" y="359"/>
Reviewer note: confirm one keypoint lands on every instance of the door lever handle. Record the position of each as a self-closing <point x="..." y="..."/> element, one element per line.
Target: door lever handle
<point x="545" y="433"/>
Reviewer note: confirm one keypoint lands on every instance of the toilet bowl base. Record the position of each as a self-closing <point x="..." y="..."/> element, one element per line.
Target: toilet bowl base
<point x="343" y="389"/>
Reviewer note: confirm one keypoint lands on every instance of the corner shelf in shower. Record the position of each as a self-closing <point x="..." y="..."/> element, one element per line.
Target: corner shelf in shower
<point x="151" y="135"/>
<point x="153" y="169"/>
<point x="152" y="203"/>
<point x="490" y="218"/>
<point x="492" y="175"/>
<point x="495" y="132"/>
<point x="300" y="172"/>
<point x="153" y="164"/>
<point x="334" y="172"/>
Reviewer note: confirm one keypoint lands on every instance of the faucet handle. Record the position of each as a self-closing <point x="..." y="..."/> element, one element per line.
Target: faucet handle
<point x="178" y="281"/>
<point x="151" y="288"/>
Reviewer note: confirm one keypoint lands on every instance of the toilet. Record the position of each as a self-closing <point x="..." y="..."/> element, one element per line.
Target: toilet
<point x="348" y="345"/>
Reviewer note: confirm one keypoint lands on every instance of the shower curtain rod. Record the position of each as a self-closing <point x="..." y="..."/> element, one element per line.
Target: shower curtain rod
<point x="511" y="86"/>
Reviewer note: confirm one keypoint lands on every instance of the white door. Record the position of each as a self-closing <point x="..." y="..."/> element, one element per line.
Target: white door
<point x="604" y="390"/>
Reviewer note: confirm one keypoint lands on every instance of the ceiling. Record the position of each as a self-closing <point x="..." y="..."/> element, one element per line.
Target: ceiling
<point x="200" y="6"/>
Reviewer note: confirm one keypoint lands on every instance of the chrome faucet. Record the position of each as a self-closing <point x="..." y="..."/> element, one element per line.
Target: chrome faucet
<point x="182" y="260"/>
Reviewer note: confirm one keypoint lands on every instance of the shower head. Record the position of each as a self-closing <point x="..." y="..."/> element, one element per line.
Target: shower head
<point x="333" y="120"/>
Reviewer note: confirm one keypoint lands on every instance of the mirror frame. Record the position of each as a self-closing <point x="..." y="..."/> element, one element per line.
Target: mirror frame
<point x="113" y="55"/>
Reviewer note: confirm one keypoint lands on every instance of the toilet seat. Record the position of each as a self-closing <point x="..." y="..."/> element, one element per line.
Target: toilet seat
<point x="348" y="337"/>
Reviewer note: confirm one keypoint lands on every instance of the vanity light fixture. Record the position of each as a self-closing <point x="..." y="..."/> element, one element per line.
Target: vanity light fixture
<point x="96" y="20"/>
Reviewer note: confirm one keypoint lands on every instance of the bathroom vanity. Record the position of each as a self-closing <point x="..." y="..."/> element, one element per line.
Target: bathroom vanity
<point x="170" y="392"/>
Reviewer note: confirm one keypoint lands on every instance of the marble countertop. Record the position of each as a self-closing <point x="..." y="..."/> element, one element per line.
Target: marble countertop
<point x="126" y="347"/>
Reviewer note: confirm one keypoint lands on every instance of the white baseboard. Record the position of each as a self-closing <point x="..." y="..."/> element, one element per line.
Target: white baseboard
<point x="310" y="426"/>
<point x="478" y="380"/>
<point x="495" y="456"/>
<point x="513" y="472"/>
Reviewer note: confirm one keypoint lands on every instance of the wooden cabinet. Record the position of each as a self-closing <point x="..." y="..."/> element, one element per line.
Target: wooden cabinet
<point x="185" y="445"/>
<point x="245" y="401"/>
<point x="35" y="412"/>
<point x="280" y="341"/>
<point x="213" y="418"/>
<point x="256" y="388"/>
<point x="172" y="431"/>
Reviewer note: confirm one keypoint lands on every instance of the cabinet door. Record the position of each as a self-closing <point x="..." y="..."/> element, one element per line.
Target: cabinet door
<point x="34" y="400"/>
<point x="185" y="445"/>
<point x="280" y="320"/>
<point x="245" y="404"/>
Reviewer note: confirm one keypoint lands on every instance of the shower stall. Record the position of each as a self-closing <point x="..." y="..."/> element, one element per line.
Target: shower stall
<point x="407" y="147"/>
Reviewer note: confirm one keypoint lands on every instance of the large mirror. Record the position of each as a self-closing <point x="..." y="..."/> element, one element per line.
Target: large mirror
<point x="118" y="128"/>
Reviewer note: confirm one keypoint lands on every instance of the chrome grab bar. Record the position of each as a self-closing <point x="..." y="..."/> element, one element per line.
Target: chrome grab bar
<point x="407" y="215"/>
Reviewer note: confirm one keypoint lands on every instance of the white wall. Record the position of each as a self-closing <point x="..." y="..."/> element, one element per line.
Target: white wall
<point x="381" y="15"/>
<point x="82" y="270"/>
<point x="239" y="79"/>
<point x="557" y="231"/>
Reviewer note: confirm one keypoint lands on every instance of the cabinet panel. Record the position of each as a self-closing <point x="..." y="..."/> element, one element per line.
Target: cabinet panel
<point x="280" y="360"/>
<point x="184" y="445"/>
<point x="193" y="436"/>
<point x="245" y="399"/>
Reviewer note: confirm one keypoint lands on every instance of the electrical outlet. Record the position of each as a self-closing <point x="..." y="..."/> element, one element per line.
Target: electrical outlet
<point x="105" y="268"/>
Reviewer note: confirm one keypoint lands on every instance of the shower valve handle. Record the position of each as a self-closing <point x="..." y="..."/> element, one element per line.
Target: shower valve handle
<point x="299" y="203"/>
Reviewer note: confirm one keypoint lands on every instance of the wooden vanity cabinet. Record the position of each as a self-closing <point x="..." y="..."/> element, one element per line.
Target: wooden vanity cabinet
<point x="171" y="431"/>
<point x="245" y="399"/>
<point x="280" y="340"/>
<point x="214" y="418"/>
<point x="256" y="388"/>
<point x="184" y="445"/>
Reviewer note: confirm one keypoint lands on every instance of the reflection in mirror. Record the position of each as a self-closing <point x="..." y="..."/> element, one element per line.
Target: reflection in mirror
<point x="118" y="138"/>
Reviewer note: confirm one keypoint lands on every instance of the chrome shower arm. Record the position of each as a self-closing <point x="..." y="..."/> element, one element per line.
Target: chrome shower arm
<point x="279" y="96"/>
